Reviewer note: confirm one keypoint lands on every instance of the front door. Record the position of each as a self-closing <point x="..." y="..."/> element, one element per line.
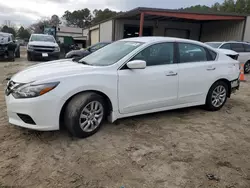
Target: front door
<point x="154" y="87"/>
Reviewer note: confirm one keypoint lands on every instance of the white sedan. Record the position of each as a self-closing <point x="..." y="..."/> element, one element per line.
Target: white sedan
<point x="129" y="77"/>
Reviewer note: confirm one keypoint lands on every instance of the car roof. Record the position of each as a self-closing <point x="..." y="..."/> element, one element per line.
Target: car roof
<point x="6" y="34"/>
<point x="223" y="42"/>
<point x="159" y="39"/>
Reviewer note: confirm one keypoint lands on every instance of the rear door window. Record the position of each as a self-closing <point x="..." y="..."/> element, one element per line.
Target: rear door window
<point x="192" y="53"/>
<point x="237" y="47"/>
<point x="247" y="47"/>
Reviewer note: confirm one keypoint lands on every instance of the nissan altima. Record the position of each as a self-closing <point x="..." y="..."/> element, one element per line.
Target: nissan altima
<point x="126" y="78"/>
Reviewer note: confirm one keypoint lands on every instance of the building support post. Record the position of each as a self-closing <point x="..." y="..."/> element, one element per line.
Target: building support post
<point x="141" y="24"/>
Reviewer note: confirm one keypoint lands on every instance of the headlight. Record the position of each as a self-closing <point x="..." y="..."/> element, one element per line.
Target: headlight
<point x="30" y="47"/>
<point x="30" y="91"/>
<point x="57" y="49"/>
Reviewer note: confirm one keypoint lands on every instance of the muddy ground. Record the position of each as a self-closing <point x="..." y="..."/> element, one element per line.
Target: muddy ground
<point x="188" y="148"/>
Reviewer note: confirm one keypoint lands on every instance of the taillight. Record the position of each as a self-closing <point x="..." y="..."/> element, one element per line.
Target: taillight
<point x="235" y="57"/>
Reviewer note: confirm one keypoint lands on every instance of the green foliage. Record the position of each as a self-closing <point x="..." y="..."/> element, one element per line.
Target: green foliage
<point x="83" y="18"/>
<point x="230" y="6"/>
<point x="79" y="18"/>
<point x="23" y="33"/>
<point x="7" y="29"/>
<point x="100" y="15"/>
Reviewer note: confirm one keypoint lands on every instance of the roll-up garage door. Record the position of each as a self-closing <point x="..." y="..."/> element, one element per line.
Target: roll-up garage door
<point x="179" y="33"/>
<point x="94" y="36"/>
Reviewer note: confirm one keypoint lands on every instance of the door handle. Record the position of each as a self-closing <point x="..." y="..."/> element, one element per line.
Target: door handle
<point x="211" y="68"/>
<point x="171" y="73"/>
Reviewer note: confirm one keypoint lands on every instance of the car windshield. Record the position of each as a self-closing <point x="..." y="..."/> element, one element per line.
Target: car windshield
<point x="44" y="38"/>
<point x="111" y="53"/>
<point x="214" y="44"/>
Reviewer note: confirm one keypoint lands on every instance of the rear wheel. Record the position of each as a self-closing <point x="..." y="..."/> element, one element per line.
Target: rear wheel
<point x="247" y="67"/>
<point x="217" y="96"/>
<point x="84" y="114"/>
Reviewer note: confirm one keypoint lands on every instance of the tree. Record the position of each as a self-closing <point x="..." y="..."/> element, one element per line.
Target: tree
<point x="39" y="26"/>
<point x="240" y="6"/>
<point x="23" y="33"/>
<point x="55" y="20"/>
<point x="78" y="18"/>
<point x="216" y="7"/>
<point x="7" y="29"/>
<point x="228" y="6"/>
<point x="100" y="15"/>
<point x="198" y="8"/>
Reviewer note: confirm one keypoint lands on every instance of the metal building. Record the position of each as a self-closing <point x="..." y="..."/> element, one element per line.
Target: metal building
<point x="174" y="23"/>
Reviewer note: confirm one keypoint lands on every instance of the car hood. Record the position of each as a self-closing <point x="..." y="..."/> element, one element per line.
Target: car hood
<point x="51" y="70"/>
<point x="3" y="40"/>
<point x="42" y="43"/>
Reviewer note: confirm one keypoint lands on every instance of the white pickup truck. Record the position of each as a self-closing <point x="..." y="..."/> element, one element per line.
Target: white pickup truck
<point x="43" y="47"/>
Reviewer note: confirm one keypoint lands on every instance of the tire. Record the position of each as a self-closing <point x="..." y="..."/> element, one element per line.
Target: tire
<point x="247" y="67"/>
<point x="210" y="96"/>
<point x="75" y="114"/>
<point x="11" y="56"/>
<point x="18" y="53"/>
<point x="29" y="58"/>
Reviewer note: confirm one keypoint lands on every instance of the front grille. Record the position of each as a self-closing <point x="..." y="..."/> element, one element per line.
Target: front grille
<point x="44" y="50"/>
<point x="26" y="119"/>
<point x="51" y="47"/>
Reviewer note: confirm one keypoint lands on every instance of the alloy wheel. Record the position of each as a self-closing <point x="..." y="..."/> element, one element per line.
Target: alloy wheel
<point x="91" y="116"/>
<point x="219" y="96"/>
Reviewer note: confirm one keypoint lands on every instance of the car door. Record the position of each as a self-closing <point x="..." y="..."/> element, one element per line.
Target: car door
<point x="243" y="55"/>
<point x="154" y="87"/>
<point x="197" y="71"/>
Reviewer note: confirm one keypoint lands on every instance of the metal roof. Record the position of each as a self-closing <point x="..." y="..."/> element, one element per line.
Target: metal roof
<point x="182" y="14"/>
<point x="136" y="13"/>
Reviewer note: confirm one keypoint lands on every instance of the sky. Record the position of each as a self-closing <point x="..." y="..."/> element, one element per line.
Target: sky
<point x="26" y="12"/>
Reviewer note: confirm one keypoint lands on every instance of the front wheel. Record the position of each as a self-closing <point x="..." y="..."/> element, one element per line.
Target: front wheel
<point x="247" y="67"/>
<point x="11" y="56"/>
<point x="217" y="96"/>
<point x="84" y="114"/>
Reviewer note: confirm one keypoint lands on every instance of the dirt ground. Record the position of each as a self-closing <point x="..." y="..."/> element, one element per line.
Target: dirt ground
<point x="188" y="148"/>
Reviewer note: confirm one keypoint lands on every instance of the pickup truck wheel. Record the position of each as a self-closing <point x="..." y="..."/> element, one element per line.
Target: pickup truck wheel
<point x="247" y="67"/>
<point x="18" y="53"/>
<point x="217" y="96"/>
<point x="29" y="57"/>
<point x="84" y="114"/>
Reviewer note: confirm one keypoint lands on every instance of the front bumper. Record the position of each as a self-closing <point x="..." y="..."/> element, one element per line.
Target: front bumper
<point x="39" y="55"/>
<point x="43" y="111"/>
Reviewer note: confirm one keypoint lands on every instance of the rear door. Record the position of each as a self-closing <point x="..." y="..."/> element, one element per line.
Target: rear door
<point x="244" y="53"/>
<point x="197" y="71"/>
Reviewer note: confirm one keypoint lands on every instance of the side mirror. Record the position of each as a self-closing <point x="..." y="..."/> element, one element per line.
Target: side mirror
<point x="137" y="64"/>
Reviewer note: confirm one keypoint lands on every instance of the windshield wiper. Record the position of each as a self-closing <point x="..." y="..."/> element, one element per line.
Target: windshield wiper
<point x="83" y="62"/>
